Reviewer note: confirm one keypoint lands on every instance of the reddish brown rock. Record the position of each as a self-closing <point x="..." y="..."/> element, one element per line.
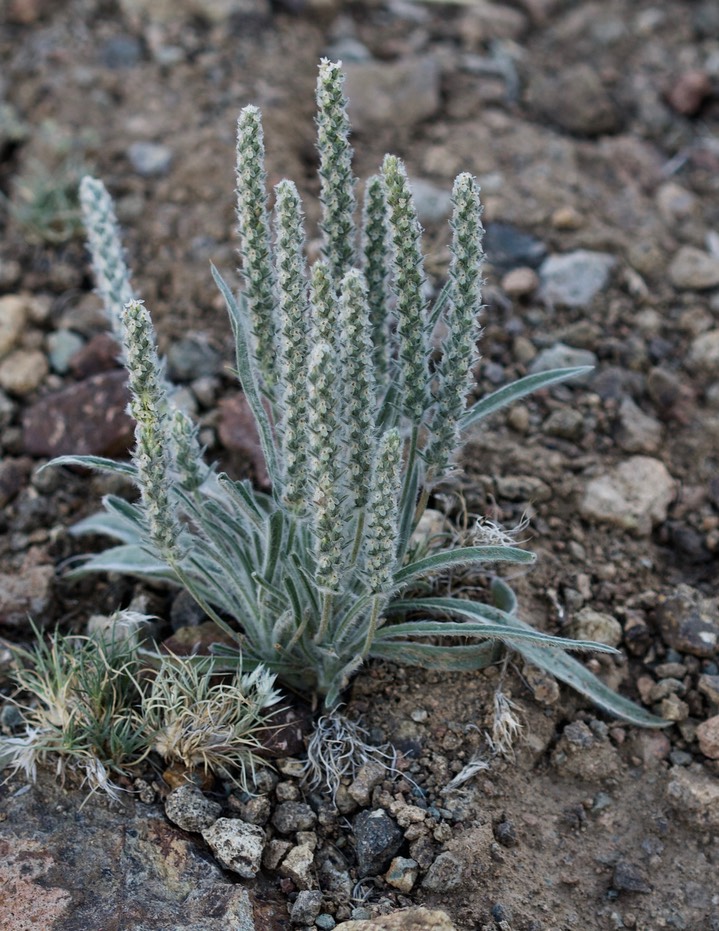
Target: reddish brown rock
<point x="100" y="354"/>
<point x="238" y="434"/>
<point x="89" y="418"/>
<point x="689" y="92"/>
<point x="708" y="737"/>
<point x="24" y="595"/>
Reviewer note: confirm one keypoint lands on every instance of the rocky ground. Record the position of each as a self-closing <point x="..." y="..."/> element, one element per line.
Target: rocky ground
<point x="593" y="129"/>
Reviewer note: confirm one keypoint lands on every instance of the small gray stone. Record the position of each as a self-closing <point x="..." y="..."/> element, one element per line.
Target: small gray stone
<point x="150" y="159"/>
<point x="192" y="357"/>
<point x="378" y="839"/>
<point x="237" y="845"/>
<point x="562" y="356"/>
<point x="693" y="269"/>
<point x="635" y="495"/>
<point x="400" y="93"/>
<point x="325" y="922"/>
<point x="509" y="247"/>
<point x="638" y="432"/>
<point x="432" y="202"/>
<point x="306" y="907"/>
<point x="188" y="808"/>
<point x="573" y="279"/>
<point x="444" y="874"/>
<point x="704" y="352"/>
<point x="61" y="347"/>
<point x="565" y="422"/>
<point x="629" y="878"/>
<point x="293" y="816"/>
<point x="121" y="52"/>
<point x="573" y="97"/>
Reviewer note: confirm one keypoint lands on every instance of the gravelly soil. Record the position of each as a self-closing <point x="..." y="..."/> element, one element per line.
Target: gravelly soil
<point x="591" y="126"/>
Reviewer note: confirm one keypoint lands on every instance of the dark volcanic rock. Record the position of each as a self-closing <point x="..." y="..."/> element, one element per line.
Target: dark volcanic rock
<point x="687" y="622"/>
<point x="378" y="840"/>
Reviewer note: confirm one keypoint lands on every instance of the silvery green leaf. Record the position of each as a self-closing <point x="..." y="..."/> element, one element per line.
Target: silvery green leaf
<point x="463" y="556"/>
<point x="94" y="462"/>
<point x="518" y="389"/>
<point x="459" y="658"/>
<point x="130" y="559"/>
<point x="482" y="631"/>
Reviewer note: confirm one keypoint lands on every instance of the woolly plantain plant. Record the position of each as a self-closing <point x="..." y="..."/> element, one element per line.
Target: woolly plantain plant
<point x="356" y="425"/>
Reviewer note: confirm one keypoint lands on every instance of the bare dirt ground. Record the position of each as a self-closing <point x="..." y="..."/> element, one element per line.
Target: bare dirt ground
<point x="594" y="131"/>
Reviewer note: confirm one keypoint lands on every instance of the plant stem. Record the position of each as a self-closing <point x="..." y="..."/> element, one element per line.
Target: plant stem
<point x="325" y="619"/>
<point x="359" y="531"/>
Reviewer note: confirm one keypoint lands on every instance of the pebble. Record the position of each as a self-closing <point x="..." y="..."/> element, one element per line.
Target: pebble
<point x="378" y="839"/>
<point x="688" y="622"/>
<point x="445" y="874"/>
<point x="100" y="354"/>
<point x="22" y="371"/>
<point x="689" y="92"/>
<point x="298" y="866"/>
<point x="306" y="907"/>
<point x="561" y="356"/>
<point x="574" y="99"/>
<point x="675" y="203"/>
<point x="509" y="248"/>
<point x="505" y="833"/>
<point x="402" y="874"/>
<point x="575" y="278"/>
<point x="62" y="346"/>
<point x="520" y="282"/>
<point x="13" y="316"/>
<point x="594" y="625"/>
<point x="432" y="202"/>
<point x="638" y="432"/>
<point x="692" y="268"/>
<point x="368" y="777"/>
<point x="293" y="816"/>
<point x="634" y="495"/>
<point x="708" y="737"/>
<point x="694" y="794"/>
<point x="121" y="52"/>
<point x="87" y="418"/>
<point x="400" y="93"/>
<point x="709" y="685"/>
<point x="236" y="845"/>
<point x="190" y="810"/>
<point x="704" y="352"/>
<point x="580" y="753"/>
<point x="150" y="159"/>
<point x="325" y="922"/>
<point x="567" y="218"/>
<point x="238" y="434"/>
<point x="192" y="357"/>
<point x="25" y="595"/>
<point x="418" y="918"/>
<point x="565" y="422"/>
<point x="629" y="878"/>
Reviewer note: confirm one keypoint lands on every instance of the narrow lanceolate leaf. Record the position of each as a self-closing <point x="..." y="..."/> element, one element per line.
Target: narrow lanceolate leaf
<point x="294" y="338"/>
<point x="518" y="389"/>
<point x="130" y="558"/>
<point x="254" y="232"/>
<point x="459" y="347"/>
<point x="358" y="378"/>
<point x="108" y="258"/>
<point x="337" y="182"/>
<point x="248" y="377"/>
<point x="375" y="246"/>
<point x="487" y="615"/>
<point x="326" y="465"/>
<point x="381" y="535"/>
<point x="463" y="556"/>
<point x="456" y="658"/>
<point x="408" y="285"/>
<point x="94" y="462"/>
